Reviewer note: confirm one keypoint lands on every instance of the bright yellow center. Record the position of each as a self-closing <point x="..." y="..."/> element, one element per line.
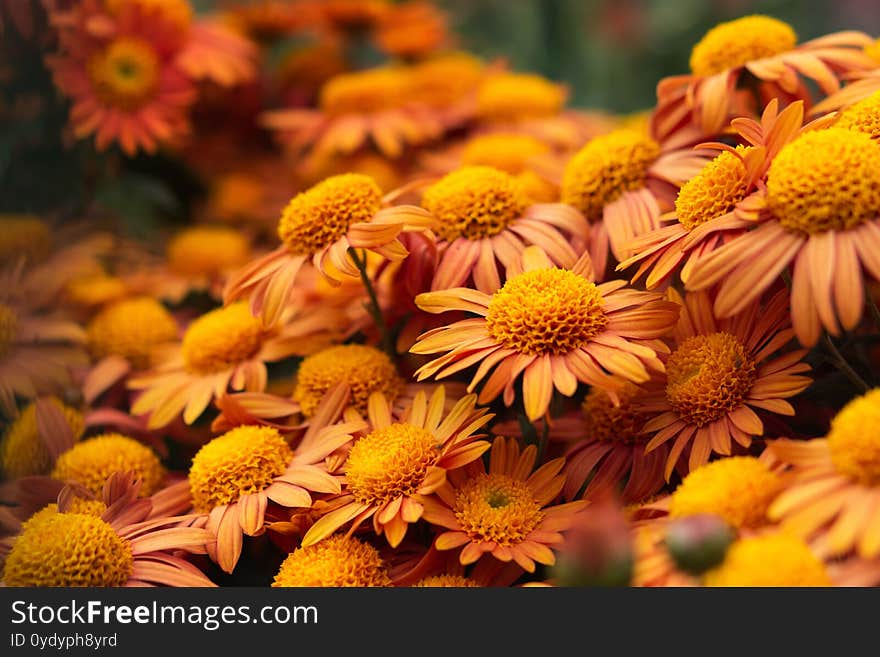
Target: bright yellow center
<point x="23" y="452"/>
<point x="496" y="507"/>
<point x="778" y="560"/>
<point x="537" y="188"/>
<point x="90" y="462"/>
<point x="236" y="196"/>
<point x="178" y="12"/>
<point x="519" y="96"/>
<point x="365" y="369"/>
<point x="243" y="460"/>
<point x="863" y="116"/>
<point x="94" y="508"/>
<point x="446" y="581"/>
<point x="708" y="376"/>
<point x="445" y="79"/>
<point x="131" y="328"/>
<point x="854" y="439"/>
<point x="207" y="251"/>
<point x="69" y="549"/>
<point x="603" y="420"/>
<point x="546" y="311"/>
<point x="474" y="202"/>
<point x="8" y="328"/>
<point x="90" y="290"/>
<point x="338" y="560"/>
<point x="713" y="192"/>
<point x="825" y="180"/>
<point x="508" y="152"/>
<point x="317" y="217"/>
<point x="364" y="92"/>
<point x="735" y="43"/>
<point x="221" y="338"/>
<point x="390" y="462"/>
<point x="738" y="489"/>
<point x="126" y="73"/>
<point x="606" y="167"/>
<point x="24" y="236"/>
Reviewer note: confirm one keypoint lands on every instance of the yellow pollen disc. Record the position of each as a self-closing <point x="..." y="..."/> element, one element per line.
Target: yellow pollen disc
<point x="236" y="196"/>
<point x="364" y="92"/>
<point x="825" y="180"/>
<point x="338" y="560"/>
<point x="126" y="73"/>
<point x="317" y="217"/>
<point x="178" y="12"/>
<point x="390" y="462"/>
<point x="8" y="328"/>
<point x="546" y="311"/>
<point x="738" y="489"/>
<point x="854" y="439"/>
<point x="22" y="451"/>
<point x="606" y="167"/>
<point x="769" y="560"/>
<point x="519" y="96"/>
<point x="708" y="376"/>
<point x="79" y="505"/>
<point x="446" y="581"/>
<point x="863" y="116"/>
<point x="605" y="421"/>
<point x="474" y="202"/>
<point x="207" y="251"/>
<point x="24" y="236"/>
<point x="69" y="549"/>
<point x="221" y="338"/>
<point x="365" y="369"/>
<point x="92" y="290"/>
<point x="92" y="461"/>
<point x="507" y="152"/>
<point x="735" y="43"/>
<point x="445" y="79"/>
<point x="131" y="328"/>
<point x="713" y="192"/>
<point x="496" y="507"/>
<point x="537" y="188"/>
<point x="244" y="460"/>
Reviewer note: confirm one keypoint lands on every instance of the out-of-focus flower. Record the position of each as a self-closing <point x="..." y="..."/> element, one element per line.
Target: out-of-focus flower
<point x="774" y="559"/>
<point x="33" y="439"/>
<point x="411" y="29"/>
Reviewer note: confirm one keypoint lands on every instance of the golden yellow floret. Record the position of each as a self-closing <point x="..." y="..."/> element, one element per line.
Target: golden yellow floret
<point x="769" y="560"/>
<point x="207" y="251"/>
<point x="496" y="507"/>
<point x="131" y="328"/>
<point x="221" y="338"/>
<point x="737" y="42"/>
<point x="510" y="97"/>
<point x="713" y="192"/>
<point x="854" y="439"/>
<point x="863" y="116"/>
<point x="336" y="561"/>
<point x="365" y="92"/>
<point x="510" y="152"/>
<point x="23" y="452"/>
<point x="605" y="420"/>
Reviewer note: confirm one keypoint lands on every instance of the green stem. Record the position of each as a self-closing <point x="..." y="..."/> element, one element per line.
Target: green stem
<point x="840" y="363"/>
<point x="373" y="305"/>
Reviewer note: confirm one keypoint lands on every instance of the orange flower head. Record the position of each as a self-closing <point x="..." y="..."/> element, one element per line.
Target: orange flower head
<point x="873" y="51"/>
<point x="24" y="236"/>
<point x="708" y="376"/>
<point x="445" y="79"/>
<point x="805" y="182"/>
<point x="447" y="581"/>
<point x="715" y="191"/>
<point x="125" y="73"/>
<point x="207" y="251"/>
<point x="364" y="92"/>
<point x="178" y="12"/>
<point x="338" y="560"/>
<point x="131" y="328"/>
<point x="519" y="96"/>
<point x="8" y="328"/>
<point x="854" y="441"/>
<point x="82" y="505"/>
<point x="605" y="420"/>
<point x="236" y="196"/>
<point x="221" y="338"/>
<point x="474" y="202"/>
<point x="91" y="290"/>
<point x="497" y="507"/>
<point x="508" y="152"/>
<point x="735" y="43"/>
<point x="769" y="560"/>
<point x="22" y="451"/>
<point x="863" y="116"/>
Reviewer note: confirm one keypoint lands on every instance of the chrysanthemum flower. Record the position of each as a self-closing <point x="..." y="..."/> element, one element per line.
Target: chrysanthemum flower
<point x="552" y="325"/>
<point x="341" y="213"/>
<point x="411" y="29"/>
<point x="835" y="492"/>
<point x="336" y="561"/>
<point x="398" y="460"/>
<point x="862" y="116"/>
<point x="34" y="439"/>
<point x="820" y="212"/>
<point x="718" y="371"/>
<point x="506" y="512"/>
<point x="448" y="84"/>
<point x="484" y="217"/>
<point x="776" y="559"/>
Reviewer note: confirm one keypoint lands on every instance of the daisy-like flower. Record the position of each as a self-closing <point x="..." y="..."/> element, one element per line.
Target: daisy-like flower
<point x="506" y="512"/>
<point x="341" y="213"/>
<point x="336" y="561"/>
<point x="397" y="461"/>
<point x="862" y="116"/>
<point x="485" y="217"/>
<point x="833" y="498"/>
<point x="752" y="48"/>
<point x="717" y="373"/>
<point x="552" y="325"/>
<point x="411" y="30"/>
<point x="226" y="348"/>
<point x="820" y="212"/>
<point x="39" y="434"/>
<point x="773" y="559"/>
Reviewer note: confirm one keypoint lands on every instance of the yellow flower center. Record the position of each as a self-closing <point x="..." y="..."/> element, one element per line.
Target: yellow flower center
<point x="79" y="505"/>
<point x="69" y="549"/>
<point x="446" y="581"/>
<point x="126" y="73"/>
<point x="474" y="202"/>
<point x="338" y="560"/>
<point x="390" y="462"/>
<point x="221" y="338"/>
<point x="24" y="236"/>
<point x="606" y="167"/>
<point x="825" y="180"/>
<point x="8" y="328"/>
<point x="546" y="311"/>
<point x="738" y="489"/>
<point x="708" y="376"/>
<point x="92" y="461"/>
<point x="365" y="369"/>
<point x="178" y="12"/>
<point x="131" y="328"/>
<point x="537" y="188"/>
<point x="496" y="507"/>
<point x="508" y="152"/>
<point x="364" y="92"/>
<point x="863" y="116"/>
<point x="243" y="460"/>
<point x="713" y="192"/>
<point x="519" y="96"/>
<point x="854" y="439"/>
<point x="445" y="79"/>
<point x="735" y="43"/>
<point x="317" y="217"/>
<point x="22" y="451"/>
<point x="90" y="290"/>
<point x="605" y="421"/>
<point x="769" y="560"/>
<point x="207" y="251"/>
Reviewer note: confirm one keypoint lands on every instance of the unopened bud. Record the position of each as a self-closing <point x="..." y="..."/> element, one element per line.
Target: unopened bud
<point x="698" y="543"/>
